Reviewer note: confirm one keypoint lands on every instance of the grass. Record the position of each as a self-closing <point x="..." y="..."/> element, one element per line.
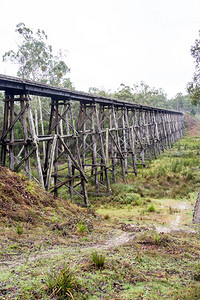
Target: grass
<point x="81" y="227"/>
<point x="151" y="208"/>
<point x="98" y="260"/>
<point x="19" y="229"/>
<point x="61" y="282"/>
<point x="57" y="234"/>
<point x="157" y="238"/>
<point x="197" y="272"/>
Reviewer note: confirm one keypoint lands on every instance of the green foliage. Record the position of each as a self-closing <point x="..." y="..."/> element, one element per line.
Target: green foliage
<point x="81" y="227"/>
<point x="61" y="282"/>
<point x="194" y="91"/>
<point x="194" y="86"/>
<point x="142" y="93"/>
<point x="151" y="208"/>
<point x="36" y="60"/>
<point x="102" y="92"/>
<point x="120" y="188"/>
<point x="98" y="260"/>
<point x="54" y="216"/>
<point x="157" y="238"/>
<point x="20" y="230"/>
<point x="130" y="198"/>
<point x="176" y="166"/>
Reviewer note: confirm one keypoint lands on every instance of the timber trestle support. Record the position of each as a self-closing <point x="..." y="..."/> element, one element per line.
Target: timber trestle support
<point x="90" y="141"/>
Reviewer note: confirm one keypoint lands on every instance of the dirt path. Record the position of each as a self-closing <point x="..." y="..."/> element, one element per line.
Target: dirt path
<point x="175" y="223"/>
<point x="17" y="260"/>
<point x="120" y="237"/>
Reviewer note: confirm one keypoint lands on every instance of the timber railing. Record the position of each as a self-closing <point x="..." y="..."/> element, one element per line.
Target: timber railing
<point x="90" y="141"/>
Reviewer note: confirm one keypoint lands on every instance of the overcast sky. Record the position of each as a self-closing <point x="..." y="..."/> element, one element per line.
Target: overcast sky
<point x="110" y="42"/>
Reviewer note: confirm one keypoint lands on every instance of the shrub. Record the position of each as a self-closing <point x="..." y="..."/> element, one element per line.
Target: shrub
<point x="61" y="283"/>
<point x="98" y="260"/>
<point x="20" y="230"/>
<point x="161" y="172"/>
<point x="81" y="227"/>
<point x="176" y="166"/>
<point x="190" y="176"/>
<point x="131" y="198"/>
<point x="151" y="208"/>
<point x="123" y="188"/>
<point x="157" y="239"/>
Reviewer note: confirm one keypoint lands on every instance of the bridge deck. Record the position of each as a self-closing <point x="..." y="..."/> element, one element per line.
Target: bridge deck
<point x="13" y="85"/>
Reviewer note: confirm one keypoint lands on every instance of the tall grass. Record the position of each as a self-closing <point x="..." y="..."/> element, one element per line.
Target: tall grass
<point x="61" y="282"/>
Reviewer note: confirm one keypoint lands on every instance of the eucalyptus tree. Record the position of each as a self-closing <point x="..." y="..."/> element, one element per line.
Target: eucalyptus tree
<point x="193" y="87"/>
<point x="36" y="61"/>
<point x="35" y="58"/>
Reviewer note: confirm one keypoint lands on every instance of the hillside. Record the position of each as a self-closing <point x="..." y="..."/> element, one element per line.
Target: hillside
<point x="24" y="201"/>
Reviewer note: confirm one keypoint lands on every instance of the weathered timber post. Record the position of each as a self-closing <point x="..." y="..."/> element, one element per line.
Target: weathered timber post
<point x="125" y="137"/>
<point x="25" y="134"/>
<point x="68" y="121"/>
<point x="12" y="138"/>
<point x="5" y="127"/>
<point x="112" y="146"/>
<point x="35" y="143"/>
<point x="116" y="140"/>
<point x="103" y="157"/>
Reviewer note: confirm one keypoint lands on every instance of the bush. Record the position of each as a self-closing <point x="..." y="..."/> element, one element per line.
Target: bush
<point x="20" y="230"/>
<point x="157" y="239"/>
<point x="151" y="208"/>
<point x="176" y="166"/>
<point x="190" y="175"/>
<point x="98" y="260"/>
<point x="130" y="198"/>
<point x="61" y="283"/>
<point x="119" y="188"/>
<point x="81" y="227"/>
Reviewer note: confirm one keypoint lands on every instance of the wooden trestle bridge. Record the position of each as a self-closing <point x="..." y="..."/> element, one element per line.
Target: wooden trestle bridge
<point x="90" y="141"/>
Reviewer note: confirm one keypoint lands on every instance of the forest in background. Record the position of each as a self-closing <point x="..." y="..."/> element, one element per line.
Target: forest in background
<point x="36" y="61"/>
<point x="140" y="93"/>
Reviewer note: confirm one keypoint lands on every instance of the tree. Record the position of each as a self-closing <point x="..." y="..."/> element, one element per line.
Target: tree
<point x="141" y="93"/>
<point x="194" y="86"/>
<point x="124" y="93"/>
<point x="101" y="92"/>
<point x="36" y="60"/>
